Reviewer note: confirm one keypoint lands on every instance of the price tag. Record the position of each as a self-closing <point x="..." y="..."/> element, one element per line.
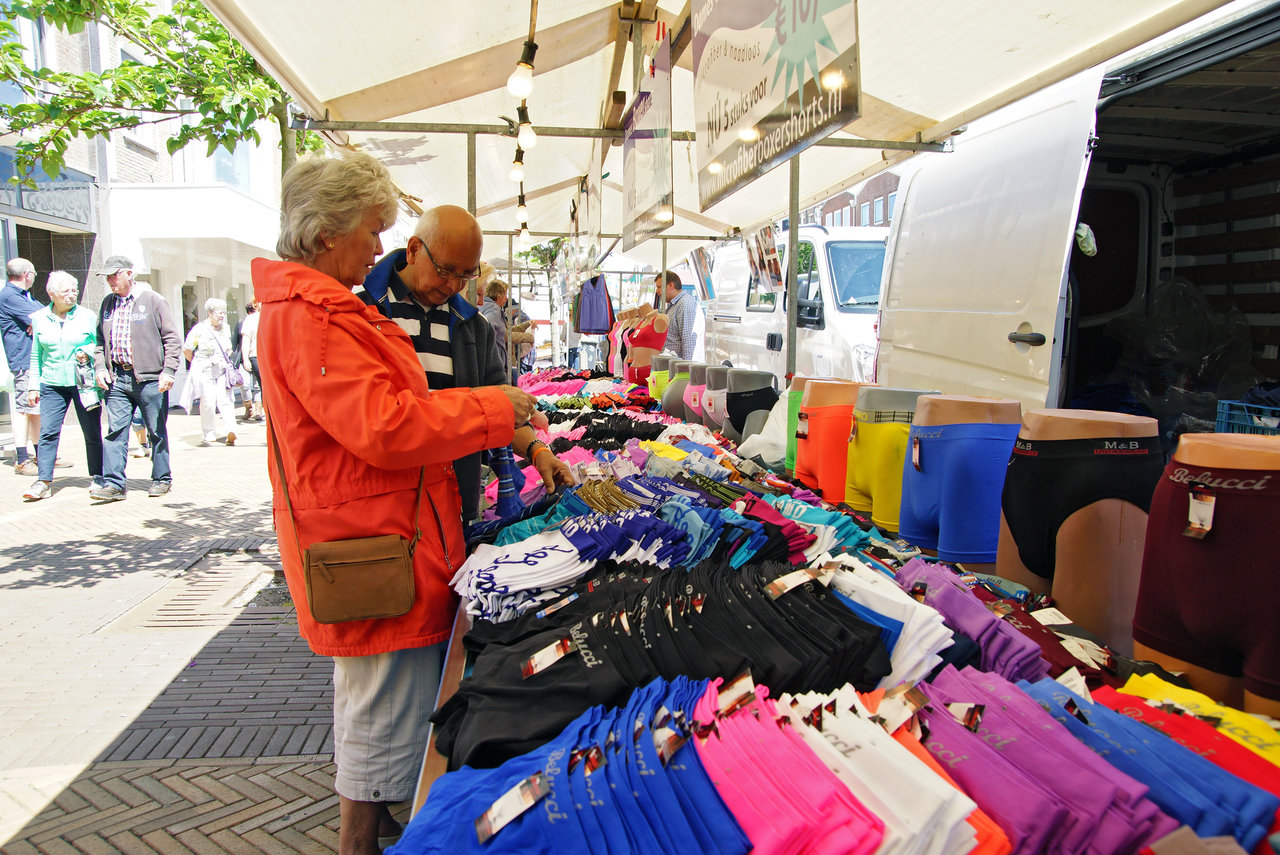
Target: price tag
<point x="555" y="607"/>
<point x="853" y="429"/>
<point x="1200" y="510"/>
<point x="547" y="656"/>
<point x="511" y="804"/>
<point x="802" y="426"/>
<point x="915" y="453"/>
<point x="969" y="715"/>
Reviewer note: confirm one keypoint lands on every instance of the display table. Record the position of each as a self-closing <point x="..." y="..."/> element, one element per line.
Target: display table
<point x="435" y="764"/>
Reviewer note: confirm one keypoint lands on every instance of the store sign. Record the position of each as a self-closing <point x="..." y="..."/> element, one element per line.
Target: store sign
<point x="648" y="205"/>
<point x="770" y="78"/>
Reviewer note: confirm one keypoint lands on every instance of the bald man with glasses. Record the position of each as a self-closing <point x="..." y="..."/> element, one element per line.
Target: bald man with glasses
<point x="419" y="288"/>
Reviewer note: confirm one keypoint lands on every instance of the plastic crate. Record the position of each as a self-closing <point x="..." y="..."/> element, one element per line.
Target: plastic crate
<point x="1239" y="417"/>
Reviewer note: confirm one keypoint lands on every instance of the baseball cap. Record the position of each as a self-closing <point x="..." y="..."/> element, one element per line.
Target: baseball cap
<point x="114" y="265"/>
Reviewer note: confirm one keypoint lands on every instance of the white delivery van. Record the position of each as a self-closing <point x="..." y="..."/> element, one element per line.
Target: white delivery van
<point x="840" y="270"/>
<point x="1172" y="161"/>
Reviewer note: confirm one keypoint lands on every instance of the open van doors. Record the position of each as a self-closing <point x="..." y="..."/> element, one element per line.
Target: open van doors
<point x="976" y="279"/>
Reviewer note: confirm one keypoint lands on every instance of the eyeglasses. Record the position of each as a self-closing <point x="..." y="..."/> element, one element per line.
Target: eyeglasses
<point x="446" y="273"/>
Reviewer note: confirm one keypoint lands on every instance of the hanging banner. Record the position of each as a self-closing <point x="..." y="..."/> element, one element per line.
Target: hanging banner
<point x="648" y="205"/>
<point x="770" y="78"/>
<point x="591" y="250"/>
<point x="763" y="260"/>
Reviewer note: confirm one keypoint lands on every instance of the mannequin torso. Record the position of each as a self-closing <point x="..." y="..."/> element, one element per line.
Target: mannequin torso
<point x="964" y="409"/>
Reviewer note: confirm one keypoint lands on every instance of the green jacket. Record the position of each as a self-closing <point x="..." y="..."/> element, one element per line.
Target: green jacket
<point x="54" y="342"/>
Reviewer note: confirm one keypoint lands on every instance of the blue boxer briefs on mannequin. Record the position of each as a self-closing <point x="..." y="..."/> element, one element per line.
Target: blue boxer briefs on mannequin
<point x="951" y="503"/>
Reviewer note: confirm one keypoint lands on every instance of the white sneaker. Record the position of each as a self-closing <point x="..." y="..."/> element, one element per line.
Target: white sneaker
<point x="210" y="437"/>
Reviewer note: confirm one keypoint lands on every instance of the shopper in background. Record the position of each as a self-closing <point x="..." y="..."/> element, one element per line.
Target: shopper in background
<point x="16" y="309"/>
<point x="249" y="362"/>
<point x="357" y="430"/>
<point x="208" y="346"/>
<point x="61" y="371"/>
<point x="135" y="360"/>
<point x="420" y="288"/>
<point x="682" y="309"/>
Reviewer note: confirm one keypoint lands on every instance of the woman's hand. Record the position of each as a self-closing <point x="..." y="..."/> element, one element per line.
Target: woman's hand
<point x="33" y="397"/>
<point x="524" y="404"/>
<point x="554" y="471"/>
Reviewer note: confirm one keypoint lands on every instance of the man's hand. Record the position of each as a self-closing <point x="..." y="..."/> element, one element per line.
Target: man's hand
<point x="554" y="471"/>
<point x="33" y="397"/>
<point x="165" y="383"/>
<point x="103" y="378"/>
<point x="524" y="404"/>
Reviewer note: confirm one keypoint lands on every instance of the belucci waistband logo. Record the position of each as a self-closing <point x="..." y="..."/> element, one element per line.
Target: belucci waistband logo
<point x="1184" y="476"/>
<point x="927" y="434"/>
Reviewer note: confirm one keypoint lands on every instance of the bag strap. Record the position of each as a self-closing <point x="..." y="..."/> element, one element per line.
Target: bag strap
<point x="417" y="507"/>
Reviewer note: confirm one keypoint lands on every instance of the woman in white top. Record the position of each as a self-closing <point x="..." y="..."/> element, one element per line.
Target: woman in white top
<point x="208" y="346"/>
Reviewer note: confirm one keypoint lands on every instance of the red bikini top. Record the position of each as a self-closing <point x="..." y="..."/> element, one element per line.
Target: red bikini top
<point x="646" y="336"/>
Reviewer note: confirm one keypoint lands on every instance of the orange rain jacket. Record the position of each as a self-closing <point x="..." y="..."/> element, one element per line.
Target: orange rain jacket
<point x="349" y="404"/>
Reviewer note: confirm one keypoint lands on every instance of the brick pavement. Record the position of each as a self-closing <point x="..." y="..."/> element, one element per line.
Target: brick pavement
<point x="144" y="707"/>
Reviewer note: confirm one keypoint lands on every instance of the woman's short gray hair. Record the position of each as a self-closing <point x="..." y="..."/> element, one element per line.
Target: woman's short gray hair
<point x="329" y="196"/>
<point x="62" y="282"/>
<point x="213" y="304"/>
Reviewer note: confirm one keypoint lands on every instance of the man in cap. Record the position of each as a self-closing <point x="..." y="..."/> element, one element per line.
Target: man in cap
<point x="135" y="361"/>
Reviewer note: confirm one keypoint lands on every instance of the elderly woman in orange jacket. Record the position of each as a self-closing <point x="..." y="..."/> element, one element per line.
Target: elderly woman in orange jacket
<point x="356" y="429"/>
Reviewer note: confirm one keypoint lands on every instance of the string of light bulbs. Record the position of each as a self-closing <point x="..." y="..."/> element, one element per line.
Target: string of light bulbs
<point x="520" y="85"/>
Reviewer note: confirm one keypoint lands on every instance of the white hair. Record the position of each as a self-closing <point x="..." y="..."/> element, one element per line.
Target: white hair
<point x="19" y="267"/>
<point x="329" y="196"/>
<point x="62" y="282"/>
<point x="213" y="304"/>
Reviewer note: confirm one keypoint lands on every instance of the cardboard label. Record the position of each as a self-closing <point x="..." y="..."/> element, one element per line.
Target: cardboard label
<point x="547" y="656"/>
<point x="802" y="426"/>
<point x="915" y="453"/>
<point x="1199" y="510"/>
<point x="738" y="693"/>
<point x="555" y="607"/>
<point x="796" y="578"/>
<point x="510" y="805"/>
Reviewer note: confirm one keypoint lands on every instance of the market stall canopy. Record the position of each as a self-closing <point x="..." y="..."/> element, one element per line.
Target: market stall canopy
<point x="926" y="69"/>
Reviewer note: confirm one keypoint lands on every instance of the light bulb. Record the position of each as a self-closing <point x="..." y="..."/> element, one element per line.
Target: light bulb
<point x="526" y="136"/>
<point x="517" y="167"/>
<point x="525" y="238"/>
<point x="520" y="83"/>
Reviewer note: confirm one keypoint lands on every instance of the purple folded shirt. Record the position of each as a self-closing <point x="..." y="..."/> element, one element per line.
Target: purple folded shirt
<point x="1004" y="650"/>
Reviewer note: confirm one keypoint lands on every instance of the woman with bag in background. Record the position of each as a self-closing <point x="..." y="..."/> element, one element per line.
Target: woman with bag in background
<point x="63" y="335"/>
<point x="212" y="375"/>
<point x="360" y="451"/>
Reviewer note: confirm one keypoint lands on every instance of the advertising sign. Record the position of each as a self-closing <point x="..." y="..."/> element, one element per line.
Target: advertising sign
<point x="762" y="258"/>
<point x="770" y="78"/>
<point x="648" y="204"/>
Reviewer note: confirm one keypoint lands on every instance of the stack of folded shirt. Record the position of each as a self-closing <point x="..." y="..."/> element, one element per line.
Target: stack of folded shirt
<point x="1005" y="651"/>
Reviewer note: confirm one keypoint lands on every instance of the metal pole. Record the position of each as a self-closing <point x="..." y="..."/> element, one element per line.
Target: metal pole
<point x="662" y="289"/>
<point x="506" y="318"/>
<point x="471" y="200"/>
<point x="793" y="267"/>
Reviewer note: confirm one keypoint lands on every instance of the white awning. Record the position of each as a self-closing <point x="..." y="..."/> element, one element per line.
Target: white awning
<point x="927" y="67"/>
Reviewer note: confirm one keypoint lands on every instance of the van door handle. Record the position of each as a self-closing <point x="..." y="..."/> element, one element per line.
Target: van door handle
<point x="1034" y="339"/>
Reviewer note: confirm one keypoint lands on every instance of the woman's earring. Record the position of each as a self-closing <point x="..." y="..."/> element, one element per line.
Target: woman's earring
<point x="329" y="245"/>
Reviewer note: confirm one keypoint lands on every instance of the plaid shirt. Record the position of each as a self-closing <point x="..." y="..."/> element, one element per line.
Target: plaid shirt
<point x="122" y="331"/>
<point x="681" y="335"/>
